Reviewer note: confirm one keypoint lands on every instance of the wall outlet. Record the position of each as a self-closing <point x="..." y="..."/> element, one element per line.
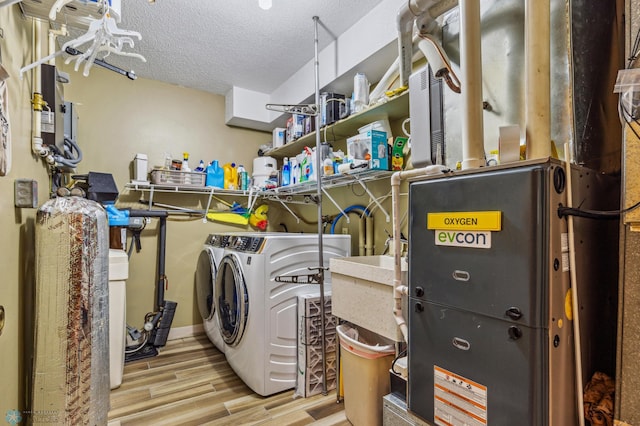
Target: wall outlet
<point x="345" y="230"/>
<point x="26" y="193"/>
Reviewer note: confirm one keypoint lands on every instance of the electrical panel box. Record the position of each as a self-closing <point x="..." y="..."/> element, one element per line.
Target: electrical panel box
<point x="52" y="116"/>
<point x="70" y="121"/>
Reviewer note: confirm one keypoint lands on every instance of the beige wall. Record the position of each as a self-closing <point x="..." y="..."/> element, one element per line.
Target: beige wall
<point x="17" y="259"/>
<point x="118" y="118"/>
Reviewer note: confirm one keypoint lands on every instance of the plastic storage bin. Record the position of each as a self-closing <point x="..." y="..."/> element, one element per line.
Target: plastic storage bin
<point x="366" y="358"/>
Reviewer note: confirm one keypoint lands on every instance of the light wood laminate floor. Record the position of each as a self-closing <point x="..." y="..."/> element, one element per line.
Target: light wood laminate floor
<point x="190" y="383"/>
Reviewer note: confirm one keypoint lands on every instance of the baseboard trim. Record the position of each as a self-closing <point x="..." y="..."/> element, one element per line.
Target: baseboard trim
<point x="186" y="331"/>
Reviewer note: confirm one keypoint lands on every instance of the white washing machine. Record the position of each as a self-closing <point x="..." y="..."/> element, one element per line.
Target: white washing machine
<point x="205" y="278"/>
<point x="257" y="313"/>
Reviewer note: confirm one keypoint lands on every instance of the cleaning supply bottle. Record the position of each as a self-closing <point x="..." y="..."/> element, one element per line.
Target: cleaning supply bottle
<point x="295" y="171"/>
<point x="185" y="168"/>
<point x="215" y="175"/>
<point x="306" y="166"/>
<point x="243" y="178"/>
<point x="286" y="172"/>
<point x="185" y="162"/>
<point x="201" y="167"/>
<point x="230" y="176"/>
<point x="327" y="166"/>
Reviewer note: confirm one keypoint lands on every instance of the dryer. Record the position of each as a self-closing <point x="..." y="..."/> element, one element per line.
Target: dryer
<point x="256" y="313"/>
<point x="205" y="278"/>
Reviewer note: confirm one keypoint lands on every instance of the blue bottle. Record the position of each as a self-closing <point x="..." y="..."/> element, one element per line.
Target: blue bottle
<point x="215" y="175"/>
<point x="286" y="172"/>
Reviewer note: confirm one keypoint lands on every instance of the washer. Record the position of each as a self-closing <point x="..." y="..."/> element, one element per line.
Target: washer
<point x="257" y="314"/>
<point x="205" y="278"/>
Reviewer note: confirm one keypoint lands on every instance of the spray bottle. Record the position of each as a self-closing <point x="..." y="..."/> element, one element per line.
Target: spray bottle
<point x="286" y="172"/>
<point x="295" y="171"/>
<point x="185" y="168"/>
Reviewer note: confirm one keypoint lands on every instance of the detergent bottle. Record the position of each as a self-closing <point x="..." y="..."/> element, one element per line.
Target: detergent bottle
<point x="243" y="178"/>
<point x="230" y="176"/>
<point x="215" y="175"/>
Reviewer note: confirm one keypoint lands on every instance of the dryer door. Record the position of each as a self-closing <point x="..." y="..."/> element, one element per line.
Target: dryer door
<point x="232" y="301"/>
<point x="206" y="271"/>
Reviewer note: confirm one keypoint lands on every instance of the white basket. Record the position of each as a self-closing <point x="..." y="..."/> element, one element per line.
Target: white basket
<point x="178" y="177"/>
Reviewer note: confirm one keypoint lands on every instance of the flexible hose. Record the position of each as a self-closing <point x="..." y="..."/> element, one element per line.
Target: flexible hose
<point x="67" y="158"/>
<point x="363" y="209"/>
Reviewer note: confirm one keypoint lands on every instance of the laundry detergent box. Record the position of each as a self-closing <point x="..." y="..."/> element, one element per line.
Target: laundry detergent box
<point x="371" y="146"/>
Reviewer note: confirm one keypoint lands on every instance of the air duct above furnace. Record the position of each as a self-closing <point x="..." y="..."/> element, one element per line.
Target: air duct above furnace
<point x="537" y="126"/>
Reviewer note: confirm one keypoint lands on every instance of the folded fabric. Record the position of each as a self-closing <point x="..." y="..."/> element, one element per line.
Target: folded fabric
<point x="598" y="400"/>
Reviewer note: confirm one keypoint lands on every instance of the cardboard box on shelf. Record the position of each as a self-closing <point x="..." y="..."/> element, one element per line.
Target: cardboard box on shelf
<point x="370" y="146"/>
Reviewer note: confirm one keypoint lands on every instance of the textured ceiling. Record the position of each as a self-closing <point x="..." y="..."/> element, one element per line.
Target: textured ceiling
<point x="212" y="45"/>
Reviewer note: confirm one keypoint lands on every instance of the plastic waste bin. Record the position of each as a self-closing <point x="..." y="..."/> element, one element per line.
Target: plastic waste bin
<point x="366" y="358"/>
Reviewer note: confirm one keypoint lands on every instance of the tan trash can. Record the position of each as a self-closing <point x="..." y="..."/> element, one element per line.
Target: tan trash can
<point x="366" y="358"/>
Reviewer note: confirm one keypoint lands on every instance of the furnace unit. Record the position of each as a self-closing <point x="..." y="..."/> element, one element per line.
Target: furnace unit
<point x="490" y="328"/>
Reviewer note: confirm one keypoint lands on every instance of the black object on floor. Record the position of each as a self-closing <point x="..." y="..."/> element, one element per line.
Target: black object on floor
<point x="161" y="332"/>
<point x="147" y="351"/>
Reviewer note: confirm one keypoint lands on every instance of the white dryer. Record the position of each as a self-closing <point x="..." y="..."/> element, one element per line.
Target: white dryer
<point x="205" y="279"/>
<point x="257" y="313"/>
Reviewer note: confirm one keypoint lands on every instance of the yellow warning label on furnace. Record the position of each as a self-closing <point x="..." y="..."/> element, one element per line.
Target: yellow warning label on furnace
<point x="465" y="221"/>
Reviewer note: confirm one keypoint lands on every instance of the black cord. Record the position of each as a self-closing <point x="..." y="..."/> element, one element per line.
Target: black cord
<point x="400" y="355"/>
<point x="626" y="114"/>
<point x="634" y="50"/>
<point x="594" y="214"/>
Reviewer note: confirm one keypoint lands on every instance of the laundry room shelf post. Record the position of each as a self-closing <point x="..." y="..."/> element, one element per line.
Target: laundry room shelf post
<point x="318" y="167"/>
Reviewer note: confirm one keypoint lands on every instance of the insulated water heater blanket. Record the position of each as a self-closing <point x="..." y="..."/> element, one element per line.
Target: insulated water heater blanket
<point x="71" y="356"/>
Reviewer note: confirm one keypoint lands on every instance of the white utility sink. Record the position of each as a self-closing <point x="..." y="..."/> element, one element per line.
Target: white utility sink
<point x="362" y="292"/>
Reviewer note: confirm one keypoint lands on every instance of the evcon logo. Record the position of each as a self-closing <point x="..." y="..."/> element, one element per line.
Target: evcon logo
<point x="475" y="239"/>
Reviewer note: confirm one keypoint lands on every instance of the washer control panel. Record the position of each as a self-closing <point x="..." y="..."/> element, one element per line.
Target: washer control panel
<point x="246" y="244"/>
<point x="218" y="240"/>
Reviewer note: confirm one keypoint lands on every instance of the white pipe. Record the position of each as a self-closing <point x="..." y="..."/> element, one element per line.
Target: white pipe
<point x="392" y="73"/>
<point x="368" y="245"/>
<point x="53" y="35"/>
<point x="537" y="78"/>
<point x="398" y="289"/>
<point x="383" y="84"/>
<point x="426" y="9"/>
<point x="36" y="116"/>
<point x="361" y="236"/>
<point x="404" y="24"/>
<point x="471" y="82"/>
<point x="574" y="291"/>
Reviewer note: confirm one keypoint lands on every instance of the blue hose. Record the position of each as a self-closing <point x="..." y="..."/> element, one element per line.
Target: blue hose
<point x="347" y="210"/>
